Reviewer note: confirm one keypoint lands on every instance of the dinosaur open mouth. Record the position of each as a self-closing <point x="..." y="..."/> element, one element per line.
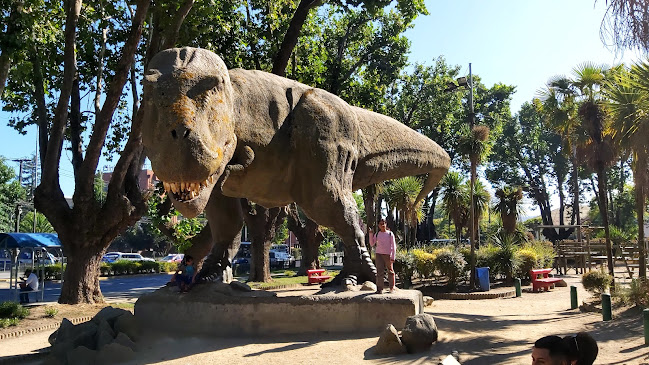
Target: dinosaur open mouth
<point x="186" y="191"/>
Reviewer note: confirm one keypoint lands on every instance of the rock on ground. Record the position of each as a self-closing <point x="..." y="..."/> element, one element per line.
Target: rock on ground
<point x="389" y="342"/>
<point x="419" y="333"/>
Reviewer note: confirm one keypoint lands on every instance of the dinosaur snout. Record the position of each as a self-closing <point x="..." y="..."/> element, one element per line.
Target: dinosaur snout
<point x="180" y="132"/>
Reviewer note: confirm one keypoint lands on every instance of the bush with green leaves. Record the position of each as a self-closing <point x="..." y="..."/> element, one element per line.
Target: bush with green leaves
<point x="596" y="281"/>
<point x="528" y="259"/>
<point x="404" y="266"/>
<point x="450" y="263"/>
<point x="6" y="322"/>
<point x="486" y="256"/>
<point x="13" y="310"/>
<point x="168" y="266"/>
<point x="637" y="293"/>
<point x="50" y="312"/>
<point x="289" y="273"/>
<point x="506" y="263"/>
<point x="424" y="263"/>
<point x="53" y="272"/>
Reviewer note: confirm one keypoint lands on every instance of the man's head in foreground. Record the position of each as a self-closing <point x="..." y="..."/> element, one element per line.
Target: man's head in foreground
<point x="550" y="350"/>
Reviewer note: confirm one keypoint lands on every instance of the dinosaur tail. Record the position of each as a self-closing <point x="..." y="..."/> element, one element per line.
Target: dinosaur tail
<point x="390" y="150"/>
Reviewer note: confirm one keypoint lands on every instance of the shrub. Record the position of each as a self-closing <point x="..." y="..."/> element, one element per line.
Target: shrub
<point x="636" y="294"/>
<point x="53" y="271"/>
<point x="106" y="269"/>
<point x="546" y="253"/>
<point x="506" y="262"/>
<point x="450" y="263"/>
<point x="289" y="273"/>
<point x="168" y="266"/>
<point x="6" y="322"/>
<point x="486" y="256"/>
<point x="50" y="312"/>
<point x="148" y="267"/>
<point x="528" y="259"/>
<point x="404" y="267"/>
<point x="596" y="281"/>
<point x="13" y="310"/>
<point x="424" y="263"/>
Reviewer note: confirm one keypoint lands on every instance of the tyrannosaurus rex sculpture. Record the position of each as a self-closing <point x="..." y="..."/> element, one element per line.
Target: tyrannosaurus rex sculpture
<point x="214" y="136"/>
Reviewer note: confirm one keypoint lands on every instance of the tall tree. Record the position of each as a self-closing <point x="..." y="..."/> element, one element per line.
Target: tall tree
<point x="626" y="24"/>
<point x="628" y="94"/>
<point x="508" y="206"/>
<point x="455" y="201"/>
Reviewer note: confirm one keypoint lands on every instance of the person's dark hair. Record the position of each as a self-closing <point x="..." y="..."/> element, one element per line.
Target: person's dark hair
<point x="28" y="271"/>
<point x="581" y="347"/>
<point x="188" y="257"/>
<point x="381" y="220"/>
<point x="555" y="345"/>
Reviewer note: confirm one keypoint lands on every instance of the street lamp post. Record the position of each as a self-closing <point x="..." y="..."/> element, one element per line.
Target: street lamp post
<point x="462" y="81"/>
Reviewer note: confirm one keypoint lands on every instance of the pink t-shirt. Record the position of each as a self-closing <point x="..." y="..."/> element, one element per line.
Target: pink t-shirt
<point x="385" y="243"/>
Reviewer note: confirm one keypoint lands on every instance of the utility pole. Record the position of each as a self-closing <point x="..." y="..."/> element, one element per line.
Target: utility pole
<point x="472" y="234"/>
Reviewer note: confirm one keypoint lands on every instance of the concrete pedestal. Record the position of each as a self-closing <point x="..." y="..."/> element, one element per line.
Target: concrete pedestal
<point x="217" y="309"/>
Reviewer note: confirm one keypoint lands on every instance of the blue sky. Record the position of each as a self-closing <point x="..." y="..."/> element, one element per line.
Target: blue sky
<point x="516" y="42"/>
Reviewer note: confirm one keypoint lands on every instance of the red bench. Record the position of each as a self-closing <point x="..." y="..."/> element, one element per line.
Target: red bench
<point x="315" y="276"/>
<point x="540" y="279"/>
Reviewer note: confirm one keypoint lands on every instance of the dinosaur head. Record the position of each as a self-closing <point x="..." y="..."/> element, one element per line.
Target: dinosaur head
<point x="188" y="128"/>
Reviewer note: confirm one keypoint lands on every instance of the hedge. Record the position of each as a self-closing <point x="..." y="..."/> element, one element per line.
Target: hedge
<point x="120" y="267"/>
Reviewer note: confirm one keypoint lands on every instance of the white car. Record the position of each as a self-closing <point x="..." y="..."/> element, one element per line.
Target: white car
<point x="116" y="256"/>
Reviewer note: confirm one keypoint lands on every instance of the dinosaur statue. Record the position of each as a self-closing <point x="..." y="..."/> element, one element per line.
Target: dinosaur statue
<point x="214" y="136"/>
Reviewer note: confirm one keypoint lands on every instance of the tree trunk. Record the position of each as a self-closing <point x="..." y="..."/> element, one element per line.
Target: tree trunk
<point x="261" y="223"/>
<point x="603" y="210"/>
<point x="81" y="278"/>
<point x="309" y="235"/>
<point x="640" y="182"/>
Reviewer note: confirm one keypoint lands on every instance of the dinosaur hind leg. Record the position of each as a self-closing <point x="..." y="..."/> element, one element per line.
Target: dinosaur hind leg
<point x="325" y="138"/>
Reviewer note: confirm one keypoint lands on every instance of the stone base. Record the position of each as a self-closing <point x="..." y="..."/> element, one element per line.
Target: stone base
<point x="217" y="309"/>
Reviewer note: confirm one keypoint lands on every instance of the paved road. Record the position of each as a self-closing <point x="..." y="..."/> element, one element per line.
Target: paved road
<point x="115" y="289"/>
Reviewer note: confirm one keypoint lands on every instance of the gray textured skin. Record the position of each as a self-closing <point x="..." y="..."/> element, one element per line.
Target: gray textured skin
<point x="274" y="141"/>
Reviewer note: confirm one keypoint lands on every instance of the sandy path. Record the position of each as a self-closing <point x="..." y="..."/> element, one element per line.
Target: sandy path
<point x="497" y="331"/>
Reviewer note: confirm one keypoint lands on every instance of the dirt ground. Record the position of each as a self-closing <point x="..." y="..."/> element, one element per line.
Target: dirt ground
<point x="495" y="331"/>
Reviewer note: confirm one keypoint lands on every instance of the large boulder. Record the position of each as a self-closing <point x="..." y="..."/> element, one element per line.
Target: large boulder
<point x="389" y="342"/>
<point x="128" y="324"/>
<point x="105" y="334"/>
<point x="368" y="286"/>
<point x="109" y="314"/>
<point x="114" y="353"/>
<point x="81" y="356"/>
<point x="419" y="332"/>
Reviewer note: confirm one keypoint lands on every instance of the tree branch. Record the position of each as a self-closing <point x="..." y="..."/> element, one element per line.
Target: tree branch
<point x="291" y="36"/>
<point x="172" y="33"/>
<point x="50" y="164"/>
<point x="113" y="96"/>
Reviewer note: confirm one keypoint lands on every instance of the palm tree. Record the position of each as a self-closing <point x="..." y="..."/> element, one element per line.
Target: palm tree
<point x="597" y="150"/>
<point x="508" y="206"/>
<point x="454" y="200"/>
<point x="628" y="94"/>
<point x="401" y="194"/>
<point x="481" y="200"/>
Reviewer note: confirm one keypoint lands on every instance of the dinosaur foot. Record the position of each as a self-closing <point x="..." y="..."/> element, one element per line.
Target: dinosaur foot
<point x="215" y="272"/>
<point x="356" y="270"/>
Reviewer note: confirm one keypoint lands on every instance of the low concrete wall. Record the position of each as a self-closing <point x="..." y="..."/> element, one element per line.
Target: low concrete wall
<point x="209" y="312"/>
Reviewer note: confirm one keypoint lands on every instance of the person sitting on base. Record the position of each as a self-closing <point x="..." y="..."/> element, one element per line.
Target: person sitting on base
<point x="29" y="284"/>
<point x="186" y="274"/>
<point x="582" y="349"/>
<point x="550" y="350"/>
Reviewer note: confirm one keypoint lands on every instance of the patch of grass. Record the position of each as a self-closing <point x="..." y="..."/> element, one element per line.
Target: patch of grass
<point x="50" y="312"/>
<point x="125" y="305"/>
<point x="278" y="282"/>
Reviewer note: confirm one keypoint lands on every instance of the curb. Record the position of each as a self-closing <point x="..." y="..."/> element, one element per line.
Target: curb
<point x="472" y="296"/>
<point x="42" y="328"/>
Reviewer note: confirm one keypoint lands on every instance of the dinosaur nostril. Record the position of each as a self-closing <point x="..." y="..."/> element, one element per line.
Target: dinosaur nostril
<point x="186" y="134"/>
<point x="174" y="134"/>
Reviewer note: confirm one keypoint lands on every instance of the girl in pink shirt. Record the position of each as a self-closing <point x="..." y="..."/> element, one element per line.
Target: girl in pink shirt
<point x="386" y="250"/>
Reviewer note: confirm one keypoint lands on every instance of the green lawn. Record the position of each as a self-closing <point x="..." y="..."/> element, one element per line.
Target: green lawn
<point x="279" y="280"/>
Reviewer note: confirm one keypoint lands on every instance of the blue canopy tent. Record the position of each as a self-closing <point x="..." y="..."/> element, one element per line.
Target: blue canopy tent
<point x="38" y="245"/>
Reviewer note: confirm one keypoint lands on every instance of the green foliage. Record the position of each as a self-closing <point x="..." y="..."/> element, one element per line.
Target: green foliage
<point x="50" y="311"/>
<point x="424" y="263"/>
<point x="42" y="224"/>
<point x="451" y="264"/>
<point x="289" y="273"/>
<point x="405" y="266"/>
<point x="281" y="233"/>
<point x="10" y="193"/>
<point x="637" y="293"/>
<point x="325" y="248"/>
<point x="596" y="281"/>
<point x="487" y="256"/>
<point x="506" y="260"/>
<point x="10" y="310"/>
<point x="8" y="322"/>
<point x="53" y="272"/>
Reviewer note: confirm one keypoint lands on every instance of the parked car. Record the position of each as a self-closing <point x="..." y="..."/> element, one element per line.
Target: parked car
<point x="25" y="258"/>
<point x="116" y="256"/>
<point x="281" y="259"/>
<point x="173" y="257"/>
